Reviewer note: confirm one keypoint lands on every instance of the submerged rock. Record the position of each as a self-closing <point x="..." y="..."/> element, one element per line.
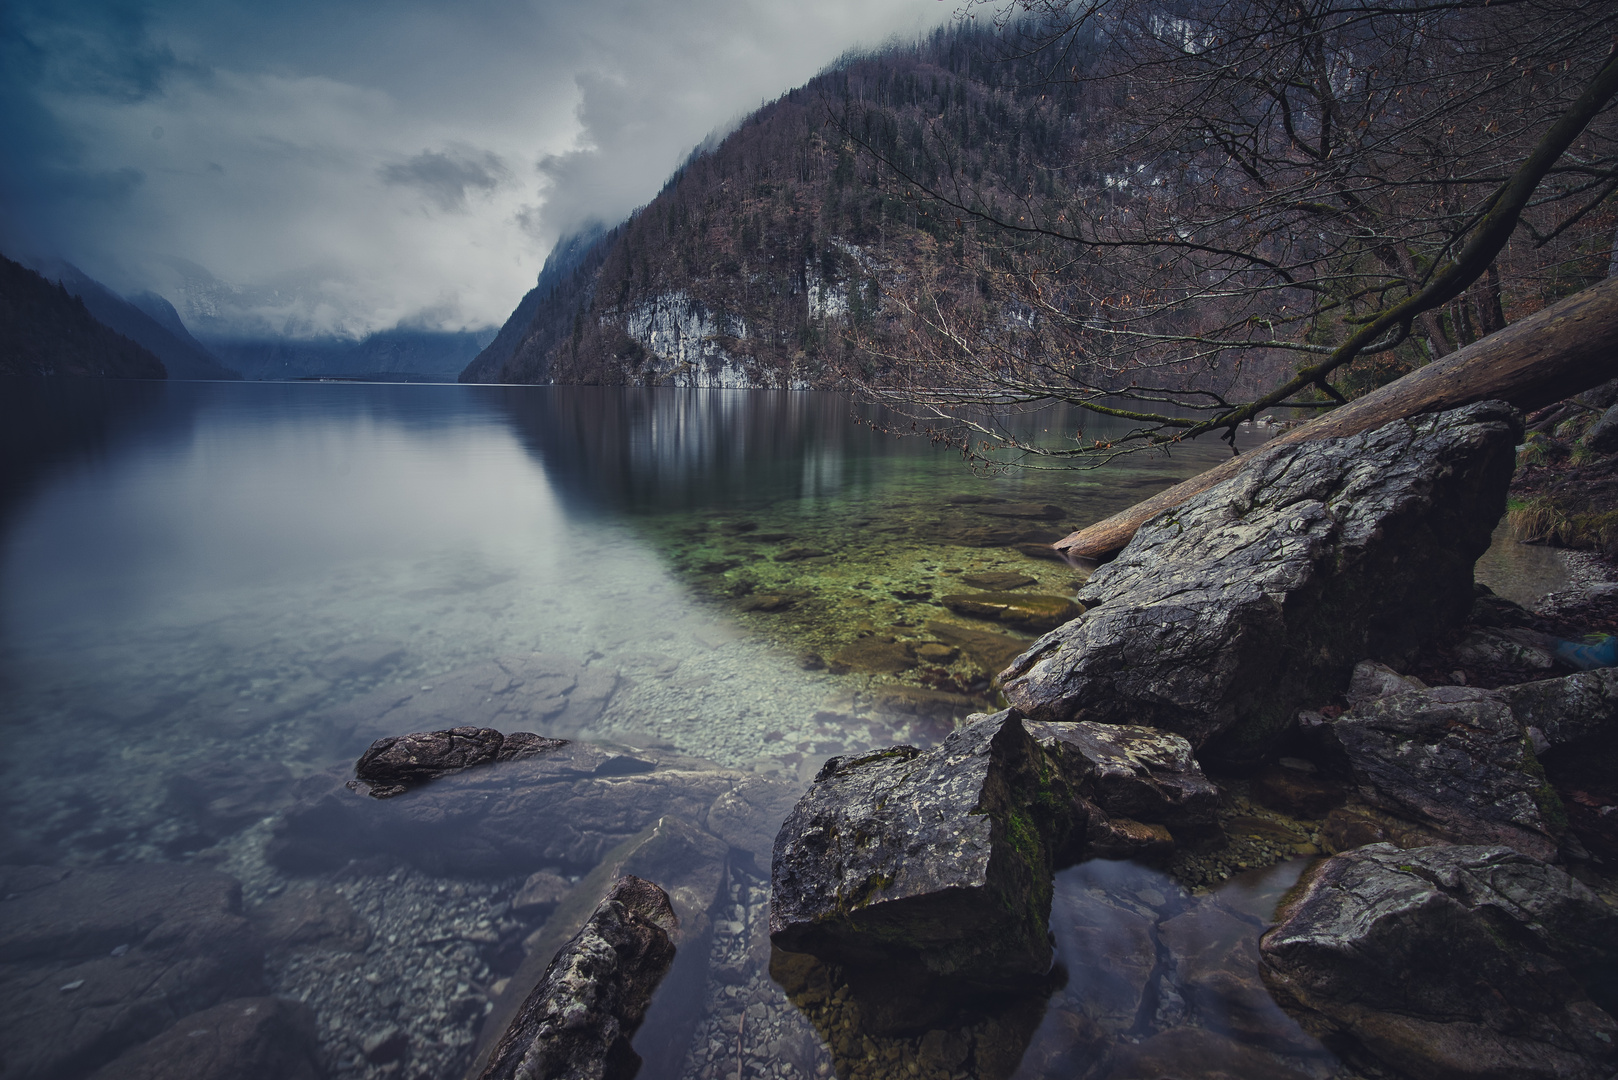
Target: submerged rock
<point x="587" y="798"/>
<point x="1225" y="615"/>
<point x="256" y="1038"/>
<point x="94" y="961"/>
<point x="395" y="764"/>
<point x="985" y="650"/>
<point x="1455" y="758"/>
<point x="939" y="860"/>
<point x="577" y="1022"/>
<point x="1030" y="610"/>
<point x="1461" y="962"/>
<point x="997" y="580"/>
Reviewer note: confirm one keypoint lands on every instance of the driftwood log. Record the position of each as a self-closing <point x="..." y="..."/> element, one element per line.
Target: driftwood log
<point x="1556" y="353"/>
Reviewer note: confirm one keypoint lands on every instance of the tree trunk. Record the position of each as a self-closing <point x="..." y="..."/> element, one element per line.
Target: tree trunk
<point x="1568" y="347"/>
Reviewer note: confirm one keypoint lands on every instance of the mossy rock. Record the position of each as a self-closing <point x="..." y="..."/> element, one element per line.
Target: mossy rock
<point x="1032" y="610"/>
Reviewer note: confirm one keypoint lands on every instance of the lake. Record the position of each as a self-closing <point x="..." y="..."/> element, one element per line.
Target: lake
<point x="214" y="596"/>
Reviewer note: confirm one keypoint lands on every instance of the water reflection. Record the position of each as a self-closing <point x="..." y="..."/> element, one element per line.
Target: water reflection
<point x="214" y="596"/>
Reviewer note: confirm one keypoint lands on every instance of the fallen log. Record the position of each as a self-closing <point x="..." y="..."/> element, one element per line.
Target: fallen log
<point x="1556" y="353"/>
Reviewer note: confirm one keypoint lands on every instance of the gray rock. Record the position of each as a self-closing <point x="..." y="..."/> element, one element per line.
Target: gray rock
<point x="1371" y="680"/>
<point x="1602" y="436"/>
<point x="577" y="1022"/>
<point x="1461" y="962"/>
<point x="140" y="946"/>
<point x="940" y="860"/>
<point x="398" y="763"/>
<point x="1507" y="647"/>
<point x="1225" y="615"/>
<point x="256" y="1038"/>
<point x="1133" y="772"/>
<point x="1569" y="709"/>
<point x="1455" y="758"/>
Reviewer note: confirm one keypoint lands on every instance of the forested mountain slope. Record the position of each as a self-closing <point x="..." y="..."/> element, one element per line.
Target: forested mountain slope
<point x="758" y="264"/>
<point x="45" y="330"/>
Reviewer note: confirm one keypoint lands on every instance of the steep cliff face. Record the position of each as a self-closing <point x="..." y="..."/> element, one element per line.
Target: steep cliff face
<point x="44" y="330"/>
<point x="774" y="258"/>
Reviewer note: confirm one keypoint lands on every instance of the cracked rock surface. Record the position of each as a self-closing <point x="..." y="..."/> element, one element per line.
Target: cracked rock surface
<point x="1463" y="962"/>
<point x="576" y="1024"/>
<point x="1227" y="614"/>
<point x="941" y="858"/>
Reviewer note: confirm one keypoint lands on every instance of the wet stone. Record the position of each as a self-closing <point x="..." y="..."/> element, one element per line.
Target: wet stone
<point x="1030" y="610"/>
<point x="1455" y="759"/>
<point x="311" y="915"/>
<point x="253" y="1038"/>
<point x="1227" y="614"/>
<point x="395" y="764"/>
<point x="997" y="580"/>
<point x="140" y="946"/>
<point x="1450" y="961"/>
<point x="579" y="1019"/>
<point x="938" y="860"/>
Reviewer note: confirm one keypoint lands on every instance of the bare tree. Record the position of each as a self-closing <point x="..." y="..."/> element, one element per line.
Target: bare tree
<point x="1265" y="204"/>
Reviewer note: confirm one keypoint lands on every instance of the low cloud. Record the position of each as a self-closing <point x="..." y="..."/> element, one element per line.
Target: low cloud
<point x="342" y="168"/>
<point x="446" y="177"/>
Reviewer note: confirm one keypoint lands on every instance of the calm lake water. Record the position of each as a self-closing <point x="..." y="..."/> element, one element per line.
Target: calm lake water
<point x="213" y="597"/>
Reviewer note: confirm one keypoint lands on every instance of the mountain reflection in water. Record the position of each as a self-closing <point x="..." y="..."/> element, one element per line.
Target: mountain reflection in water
<point x="214" y="596"/>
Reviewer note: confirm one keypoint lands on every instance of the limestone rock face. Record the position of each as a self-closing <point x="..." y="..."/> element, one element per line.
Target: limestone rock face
<point x="395" y="764"/>
<point x="1454" y="758"/>
<point x="939" y="859"/>
<point x="577" y="1022"/>
<point x="1227" y="614"/>
<point x="1460" y="962"/>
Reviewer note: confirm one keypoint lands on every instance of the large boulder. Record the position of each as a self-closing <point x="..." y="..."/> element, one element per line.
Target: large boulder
<point x="1227" y="614"/>
<point x="94" y="961"/>
<point x="1456" y="759"/>
<point x="394" y="765"/>
<point x="938" y="860"/>
<point x="1454" y="962"/>
<point x="577" y="1022"/>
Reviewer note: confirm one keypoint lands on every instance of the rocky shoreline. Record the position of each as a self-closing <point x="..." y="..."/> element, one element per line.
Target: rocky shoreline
<point x="1266" y="623"/>
<point x="1049" y="890"/>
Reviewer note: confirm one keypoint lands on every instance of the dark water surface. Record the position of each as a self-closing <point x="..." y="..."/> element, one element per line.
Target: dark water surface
<point x="215" y="596"/>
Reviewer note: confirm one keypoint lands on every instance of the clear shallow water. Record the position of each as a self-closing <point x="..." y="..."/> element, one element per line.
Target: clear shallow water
<point x="214" y="596"/>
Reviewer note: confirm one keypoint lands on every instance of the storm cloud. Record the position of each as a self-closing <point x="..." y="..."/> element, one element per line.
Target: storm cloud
<point x="313" y="168"/>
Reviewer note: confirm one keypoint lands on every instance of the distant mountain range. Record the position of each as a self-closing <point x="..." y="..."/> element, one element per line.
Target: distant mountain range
<point x="149" y="321"/>
<point x="45" y="330"/>
<point x="146" y="319"/>
<point x="764" y="259"/>
<point x="412" y="355"/>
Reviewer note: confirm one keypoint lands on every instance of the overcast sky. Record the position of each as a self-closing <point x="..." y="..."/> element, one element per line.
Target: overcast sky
<point x="306" y="167"/>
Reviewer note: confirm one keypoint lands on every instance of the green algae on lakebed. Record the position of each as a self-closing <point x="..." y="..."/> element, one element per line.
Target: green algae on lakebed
<point x="858" y="581"/>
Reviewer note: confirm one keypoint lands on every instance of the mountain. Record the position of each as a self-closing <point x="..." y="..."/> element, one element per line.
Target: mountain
<point x="148" y="320"/>
<point x="765" y="260"/>
<point x="45" y="330"/>
<point x="404" y="353"/>
<point x="561" y="280"/>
